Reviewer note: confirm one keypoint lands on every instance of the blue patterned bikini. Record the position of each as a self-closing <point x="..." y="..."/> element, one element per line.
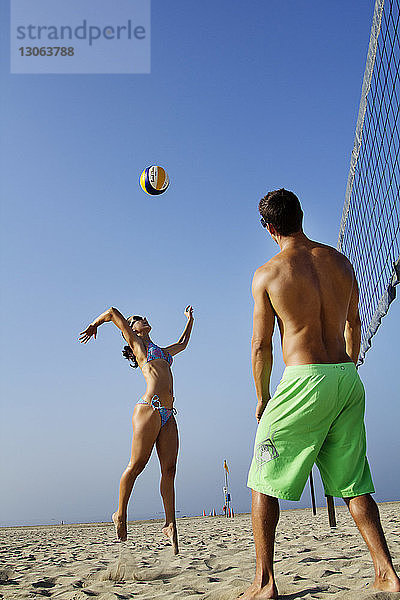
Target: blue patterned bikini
<point x="154" y="352"/>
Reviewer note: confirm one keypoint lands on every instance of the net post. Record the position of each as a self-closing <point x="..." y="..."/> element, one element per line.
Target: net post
<point x="331" y="511"/>
<point x="314" y="509"/>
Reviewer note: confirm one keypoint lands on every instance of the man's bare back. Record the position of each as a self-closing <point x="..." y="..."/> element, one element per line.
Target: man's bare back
<point x="313" y="293"/>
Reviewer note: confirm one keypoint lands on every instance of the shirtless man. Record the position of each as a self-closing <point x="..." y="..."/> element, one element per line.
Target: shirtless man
<point x="317" y="412"/>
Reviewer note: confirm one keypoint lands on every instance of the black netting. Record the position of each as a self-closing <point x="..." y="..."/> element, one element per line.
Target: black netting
<point x="370" y="228"/>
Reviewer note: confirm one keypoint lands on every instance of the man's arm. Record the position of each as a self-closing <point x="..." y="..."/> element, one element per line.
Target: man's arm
<point x="352" y="330"/>
<point x="261" y="342"/>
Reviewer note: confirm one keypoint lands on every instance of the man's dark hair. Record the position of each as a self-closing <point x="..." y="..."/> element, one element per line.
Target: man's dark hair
<point x="282" y="209"/>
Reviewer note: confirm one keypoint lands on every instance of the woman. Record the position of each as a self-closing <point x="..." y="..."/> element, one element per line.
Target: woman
<point x="153" y="417"/>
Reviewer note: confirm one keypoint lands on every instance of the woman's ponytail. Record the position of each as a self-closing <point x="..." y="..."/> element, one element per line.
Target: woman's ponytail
<point x="128" y="354"/>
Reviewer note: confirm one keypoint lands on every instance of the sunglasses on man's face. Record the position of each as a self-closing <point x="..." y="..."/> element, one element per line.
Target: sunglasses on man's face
<point x="263" y="222"/>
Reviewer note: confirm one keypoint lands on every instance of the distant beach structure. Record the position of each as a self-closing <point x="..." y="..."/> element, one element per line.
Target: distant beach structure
<point x="227" y="509"/>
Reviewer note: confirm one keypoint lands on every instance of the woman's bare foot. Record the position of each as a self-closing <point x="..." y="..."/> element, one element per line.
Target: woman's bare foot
<point x="171" y="533"/>
<point x="255" y="592"/>
<point x="120" y="527"/>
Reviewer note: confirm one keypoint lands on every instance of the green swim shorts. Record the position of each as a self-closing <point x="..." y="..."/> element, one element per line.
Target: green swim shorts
<point x="315" y="416"/>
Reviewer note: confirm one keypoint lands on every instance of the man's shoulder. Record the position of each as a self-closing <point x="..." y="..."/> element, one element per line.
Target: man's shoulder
<point x="334" y="253"/>
<point x="265" y="269"/>
<point x="327" y="248"/>
<point x="266" y="272"/>
<point x="282" y="263"/>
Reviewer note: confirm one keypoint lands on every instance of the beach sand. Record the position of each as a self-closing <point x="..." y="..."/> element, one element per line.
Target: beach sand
<point x="216" y="560"/>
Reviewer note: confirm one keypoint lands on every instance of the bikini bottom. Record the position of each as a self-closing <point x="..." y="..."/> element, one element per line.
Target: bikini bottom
<point x="165" y="413"/>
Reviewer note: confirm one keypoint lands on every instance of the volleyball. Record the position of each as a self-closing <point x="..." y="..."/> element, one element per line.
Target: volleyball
<point x="154" y="180"/>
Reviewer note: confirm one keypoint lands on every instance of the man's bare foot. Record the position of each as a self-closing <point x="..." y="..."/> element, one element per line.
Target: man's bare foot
<point x="171" y="533"/>
<point x="255" y="592"/>
<point x="385" y="583"/>
<point x="120" y="527"/>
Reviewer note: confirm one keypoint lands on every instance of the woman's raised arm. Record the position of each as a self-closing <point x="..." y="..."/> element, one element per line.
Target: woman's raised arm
<point x="184" y="339"/>
<point x="113" y="314"/>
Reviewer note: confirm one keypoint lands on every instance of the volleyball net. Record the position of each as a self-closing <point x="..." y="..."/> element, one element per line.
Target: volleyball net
<point x="370" y="228"/>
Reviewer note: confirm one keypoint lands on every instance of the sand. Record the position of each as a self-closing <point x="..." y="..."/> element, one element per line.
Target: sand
<point x="80" y="562"/>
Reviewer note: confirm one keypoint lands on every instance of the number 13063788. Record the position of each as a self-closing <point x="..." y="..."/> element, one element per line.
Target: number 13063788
<point x="47" y="51"/>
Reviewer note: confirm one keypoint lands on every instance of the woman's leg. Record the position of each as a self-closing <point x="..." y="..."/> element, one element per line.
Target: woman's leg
<point x="167" y="449"/>
<point x="146" y="426"/>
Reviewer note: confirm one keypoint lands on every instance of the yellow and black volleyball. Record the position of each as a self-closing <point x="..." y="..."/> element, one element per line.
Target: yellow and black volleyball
<point x="154" y="180"/>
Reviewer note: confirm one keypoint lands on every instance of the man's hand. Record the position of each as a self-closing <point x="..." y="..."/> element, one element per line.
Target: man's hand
<point x="261" y="404"/>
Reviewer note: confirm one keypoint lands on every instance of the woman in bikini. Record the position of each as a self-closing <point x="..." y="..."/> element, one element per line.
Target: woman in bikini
<point x="153" y="417"/>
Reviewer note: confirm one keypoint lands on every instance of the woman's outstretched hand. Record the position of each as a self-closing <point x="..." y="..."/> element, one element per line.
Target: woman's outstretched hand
<point x="189" y="312"/>
<point x="90" y="331"/>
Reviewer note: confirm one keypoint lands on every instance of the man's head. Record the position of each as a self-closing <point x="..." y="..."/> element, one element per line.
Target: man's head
<point x="281" y="213"/>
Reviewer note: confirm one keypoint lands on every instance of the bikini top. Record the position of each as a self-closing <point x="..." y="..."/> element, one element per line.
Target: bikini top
<point x="154" y="352"/>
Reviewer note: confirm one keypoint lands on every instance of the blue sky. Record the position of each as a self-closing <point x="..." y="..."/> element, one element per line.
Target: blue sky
<point x="241" y="99"/>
